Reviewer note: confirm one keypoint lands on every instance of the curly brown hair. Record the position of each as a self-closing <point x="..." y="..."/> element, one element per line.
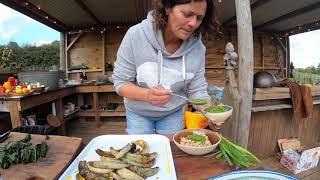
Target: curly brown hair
<point x="209" y="24"/>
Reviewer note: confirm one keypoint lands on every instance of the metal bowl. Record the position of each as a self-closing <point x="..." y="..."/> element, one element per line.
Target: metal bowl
<point x="264" y="79"/>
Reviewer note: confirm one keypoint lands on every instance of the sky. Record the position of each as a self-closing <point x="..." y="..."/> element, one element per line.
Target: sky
<point x="305" y="49"/>
<point x="14" y="26"/>
<point x="19" y="28"/>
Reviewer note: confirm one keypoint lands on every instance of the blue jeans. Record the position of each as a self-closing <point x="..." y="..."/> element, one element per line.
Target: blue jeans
<point x="170" y="124"/>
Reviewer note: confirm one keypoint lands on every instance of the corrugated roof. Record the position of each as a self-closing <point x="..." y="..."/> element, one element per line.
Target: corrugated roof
<point x="64" y="15"/>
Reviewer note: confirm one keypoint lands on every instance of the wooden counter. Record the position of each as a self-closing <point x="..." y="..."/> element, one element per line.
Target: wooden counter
<point x="61" y="152"/>
<point x="16" y="104"/>
<point x="272" y="119"/>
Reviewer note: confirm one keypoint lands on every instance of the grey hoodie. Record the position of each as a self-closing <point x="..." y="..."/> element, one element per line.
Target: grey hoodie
<point x="143" y="60"/>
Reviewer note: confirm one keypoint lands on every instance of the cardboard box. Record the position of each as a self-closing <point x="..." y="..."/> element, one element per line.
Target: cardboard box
<point x="297" y="163"/>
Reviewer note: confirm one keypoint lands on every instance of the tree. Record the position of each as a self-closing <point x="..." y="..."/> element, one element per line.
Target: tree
<point x="30" y="56"/>
<point x="5" y="57"/>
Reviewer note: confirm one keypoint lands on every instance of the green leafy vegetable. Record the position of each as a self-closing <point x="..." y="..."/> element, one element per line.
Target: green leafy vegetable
<point x="22" y="151"/>
<point x="197" y="138"/>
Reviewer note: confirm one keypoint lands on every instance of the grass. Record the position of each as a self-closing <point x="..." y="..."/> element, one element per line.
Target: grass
<point x="306" y="78"/>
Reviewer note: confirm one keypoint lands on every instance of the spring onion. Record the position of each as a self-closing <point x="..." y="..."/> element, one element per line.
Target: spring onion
<point x="235" y="155"/>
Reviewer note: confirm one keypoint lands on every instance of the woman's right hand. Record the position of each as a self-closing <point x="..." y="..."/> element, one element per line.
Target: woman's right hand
<point x="158" y="96"/>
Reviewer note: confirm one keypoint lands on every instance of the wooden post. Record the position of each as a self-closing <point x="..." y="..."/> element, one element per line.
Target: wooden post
<point x="60" y="114"/>
<point x="96" y="109"/>
<point x="62" y="52"/>
<point x="288" y="69"/>
<point x="104" y="52"/>
<point x="15" y="114"/>
<point x="66" y="53"/>
<point x="245" y="77"/>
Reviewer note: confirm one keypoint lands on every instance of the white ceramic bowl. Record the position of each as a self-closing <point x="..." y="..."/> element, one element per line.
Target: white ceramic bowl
<point x="214" y="138"/>
<point x="220" y="117"/>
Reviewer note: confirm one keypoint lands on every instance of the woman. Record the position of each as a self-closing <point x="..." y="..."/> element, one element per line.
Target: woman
<point x="159" y="56"/>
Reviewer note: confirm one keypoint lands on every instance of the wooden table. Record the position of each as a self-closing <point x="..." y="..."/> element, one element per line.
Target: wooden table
<point x="16" y="104"/>
<point x="62" y="150"/>
<point x="196" y="167"/>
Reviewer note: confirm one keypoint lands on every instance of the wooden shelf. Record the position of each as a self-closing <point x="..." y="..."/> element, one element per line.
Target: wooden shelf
<point x="102" y="113"/>
<point x="255" y="68"/>
<point x="93" y="89"/>
<point x="278" y="93"/>
<point x="85" y="70"/>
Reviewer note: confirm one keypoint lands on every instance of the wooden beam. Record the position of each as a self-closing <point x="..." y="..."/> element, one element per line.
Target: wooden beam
<point x="261" y="41"/>
<point x="96" y="109"/>
<point x="15" y="114"/>
<point x="29" y="9"/>
<point x="62" y="53"/>
<point x="289" y="15"/>
<point x="281" y="45"/>
<point x="88" y="11"/>
<point x="66" y="53"/>
<point x="288" y="57"/>
<point x="303" y="28"/>
<point x="74" y="40"/>
<point x="271" y="107"/>
<point x="254" y="6"/>
<point x="245" y="76"/>
<point x="104" y="52"/>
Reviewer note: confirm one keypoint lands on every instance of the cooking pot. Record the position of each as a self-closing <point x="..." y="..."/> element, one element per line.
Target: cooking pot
<point x="264" y="79"/>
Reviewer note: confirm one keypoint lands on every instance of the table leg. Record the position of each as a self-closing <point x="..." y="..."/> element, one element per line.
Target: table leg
<point x="15" y="114"/>
<point x="60" y="115"/>
<point x="96" y="109"/>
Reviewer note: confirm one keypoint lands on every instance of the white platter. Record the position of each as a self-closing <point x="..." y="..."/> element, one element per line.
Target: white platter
<point x="157" y="143"/>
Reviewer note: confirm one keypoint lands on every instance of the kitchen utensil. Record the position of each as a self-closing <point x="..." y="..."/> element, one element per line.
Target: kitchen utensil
<point x="190" y="101"/>
<point x="264" y="79"/>
<point x="4" y="136"/>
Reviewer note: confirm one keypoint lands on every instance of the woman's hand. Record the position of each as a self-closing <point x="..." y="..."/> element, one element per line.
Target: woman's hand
<point x="158" y="96"/>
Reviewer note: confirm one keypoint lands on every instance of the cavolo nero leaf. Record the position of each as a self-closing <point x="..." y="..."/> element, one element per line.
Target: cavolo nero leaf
<point x="21" y="151"/>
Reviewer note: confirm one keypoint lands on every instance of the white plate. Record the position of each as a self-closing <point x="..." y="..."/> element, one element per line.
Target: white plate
<point x="253" y="175"/>
<point x="157" y="143"/>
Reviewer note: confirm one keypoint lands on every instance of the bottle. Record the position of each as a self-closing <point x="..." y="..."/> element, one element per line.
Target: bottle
<point x="85" y="76"/>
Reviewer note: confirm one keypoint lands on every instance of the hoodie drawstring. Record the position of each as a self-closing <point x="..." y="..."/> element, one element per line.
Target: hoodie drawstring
<point x="183" y="68"/>
<point x="160" y="64"/>
<point x="160" y="67"/>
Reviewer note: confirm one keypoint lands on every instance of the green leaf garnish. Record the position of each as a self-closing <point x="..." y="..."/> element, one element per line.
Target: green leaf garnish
<point x="197" y="138"/>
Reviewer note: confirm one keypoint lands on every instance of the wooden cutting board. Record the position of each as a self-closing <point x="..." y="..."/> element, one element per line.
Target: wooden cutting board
<point x="62" y="150"/>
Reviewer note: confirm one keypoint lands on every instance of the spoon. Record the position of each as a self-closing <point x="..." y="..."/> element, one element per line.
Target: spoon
<point x="190" y="101"/>
<point x="194" y="103"/>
